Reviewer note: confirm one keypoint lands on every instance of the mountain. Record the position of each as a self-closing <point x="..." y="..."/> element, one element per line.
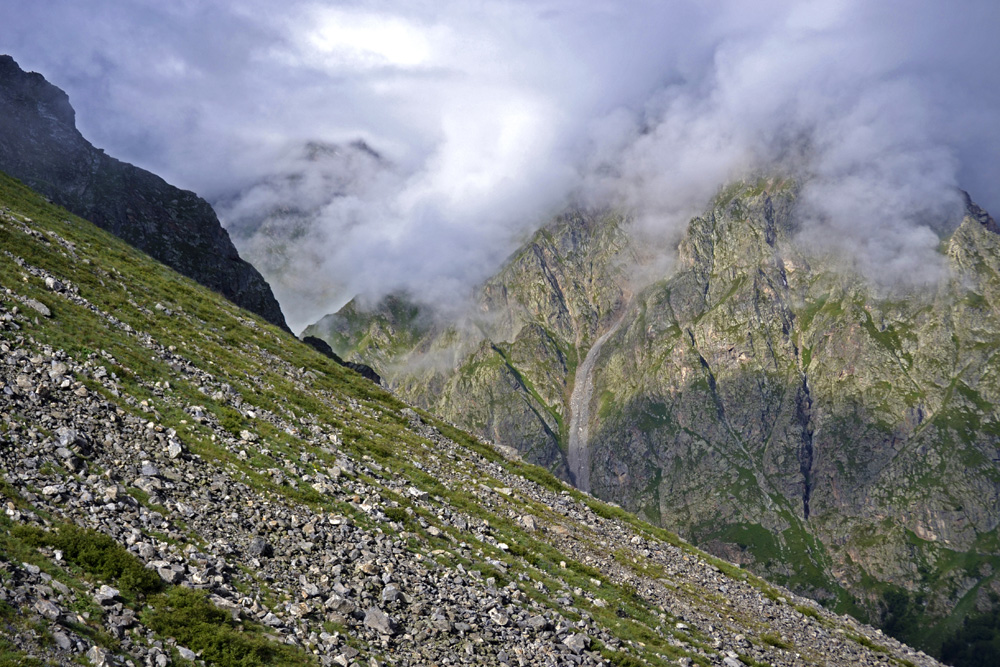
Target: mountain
<point x="769" y="405"/>
<point x="40" y="145"/>
<point x="183" y="481"/>
<point x="506" y="372"/>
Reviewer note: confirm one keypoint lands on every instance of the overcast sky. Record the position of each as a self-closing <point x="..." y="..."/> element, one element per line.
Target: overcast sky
<point x="490" y="114"/>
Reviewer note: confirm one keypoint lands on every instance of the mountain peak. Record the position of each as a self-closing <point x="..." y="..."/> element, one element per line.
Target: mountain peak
<point x="976" y="212"/>
<point x="40" y="145"/>
<point x="33" y="86"/>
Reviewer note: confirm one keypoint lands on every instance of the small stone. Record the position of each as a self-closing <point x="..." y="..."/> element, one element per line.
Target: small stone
<point x="174" y="449"/>
<point x="379" y="621"/>
<point x="339" y="605"/>
<point x="38" y="306"/>
<point x="106" y="595"/>
<point x="259" y="548"/>
<point x="391" y="594"/>
<point x="578" y="643"/>
<point x="146" y="551"/>
<point x="98" y="656"/>
<point x="53" y="284"/>
<point x="169" y="575"/>
<point x="499" y="617"/>
<point x="368" y="567"/>
<point x="538" y="623"/>
<point x="67" y="436"/>
<point x="62" y="641"/>
<point x="187" y="653"/>
<point x="48" y="609"/>
<point x="149" y="470"/>
<point x="299" y="609"/>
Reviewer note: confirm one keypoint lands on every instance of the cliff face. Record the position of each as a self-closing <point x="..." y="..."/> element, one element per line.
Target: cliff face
<point x="505" y="372"/>
<point x="40" y="145"/>
<point x="773" y="406"/>
<point x="840" y="438"/>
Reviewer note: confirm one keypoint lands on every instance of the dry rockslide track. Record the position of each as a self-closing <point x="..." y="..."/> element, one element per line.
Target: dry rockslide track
<point x="579" y="405"/>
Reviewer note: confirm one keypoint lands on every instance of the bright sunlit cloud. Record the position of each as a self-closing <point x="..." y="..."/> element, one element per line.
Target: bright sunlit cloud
<point x="352" y="39"/>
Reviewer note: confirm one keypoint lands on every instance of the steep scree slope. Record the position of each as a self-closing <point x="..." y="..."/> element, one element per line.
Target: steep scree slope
<point x="182" y="481"/>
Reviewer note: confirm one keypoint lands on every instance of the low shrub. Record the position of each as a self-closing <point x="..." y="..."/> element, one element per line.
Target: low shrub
<point x="188" y="616"/>
<point x="96" y="554"/>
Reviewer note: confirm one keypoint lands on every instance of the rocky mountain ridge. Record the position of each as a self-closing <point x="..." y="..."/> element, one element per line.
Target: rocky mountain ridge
<point x="185" y="483"/>
<point x="535" y="319"/>
<point x="40" y="145"/>
<point x="773" y="408"/>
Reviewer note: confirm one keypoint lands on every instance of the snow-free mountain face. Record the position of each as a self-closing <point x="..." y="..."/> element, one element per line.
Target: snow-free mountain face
<point x="182" y="481"/>
<point x="839" y="435"/>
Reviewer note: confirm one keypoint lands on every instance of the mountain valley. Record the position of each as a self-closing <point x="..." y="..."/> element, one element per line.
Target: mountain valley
<point x="186" y="482"/>
<point x="730" y="450"/>
<point x="774" y="408"/>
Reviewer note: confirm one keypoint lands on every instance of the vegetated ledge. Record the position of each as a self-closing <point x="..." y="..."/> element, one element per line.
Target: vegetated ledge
<point x="327" y="520"/>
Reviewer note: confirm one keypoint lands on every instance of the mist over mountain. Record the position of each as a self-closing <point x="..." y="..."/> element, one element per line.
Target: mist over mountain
<point x="494" y="116"/>
<point x="777" y="407"/>
<point x="721" y="266"/>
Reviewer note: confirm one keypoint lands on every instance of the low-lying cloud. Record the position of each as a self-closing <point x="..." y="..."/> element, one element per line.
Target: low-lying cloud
<point x="488" y="117"/>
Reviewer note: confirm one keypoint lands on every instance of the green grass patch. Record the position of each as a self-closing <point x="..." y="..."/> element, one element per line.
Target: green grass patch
<point x="189" y="617"/>
<point x="807" y="611"/>
<point x="96" y="554"/>
<point x="776" y="641"/>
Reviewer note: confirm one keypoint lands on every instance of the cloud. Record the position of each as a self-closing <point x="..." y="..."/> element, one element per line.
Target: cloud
<point x="844" y="97"/>
<point x="488" y="116"/>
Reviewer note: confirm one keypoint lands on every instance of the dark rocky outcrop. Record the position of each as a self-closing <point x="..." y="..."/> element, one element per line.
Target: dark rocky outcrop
<point x="323" y="347"/>
<point x="40" y="145"/>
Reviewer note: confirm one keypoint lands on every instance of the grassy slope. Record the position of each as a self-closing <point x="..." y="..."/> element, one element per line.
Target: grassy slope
<point x="267" y="369"/>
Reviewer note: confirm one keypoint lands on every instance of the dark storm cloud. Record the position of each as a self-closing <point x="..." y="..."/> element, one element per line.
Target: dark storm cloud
<point x="489" y="115"/>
